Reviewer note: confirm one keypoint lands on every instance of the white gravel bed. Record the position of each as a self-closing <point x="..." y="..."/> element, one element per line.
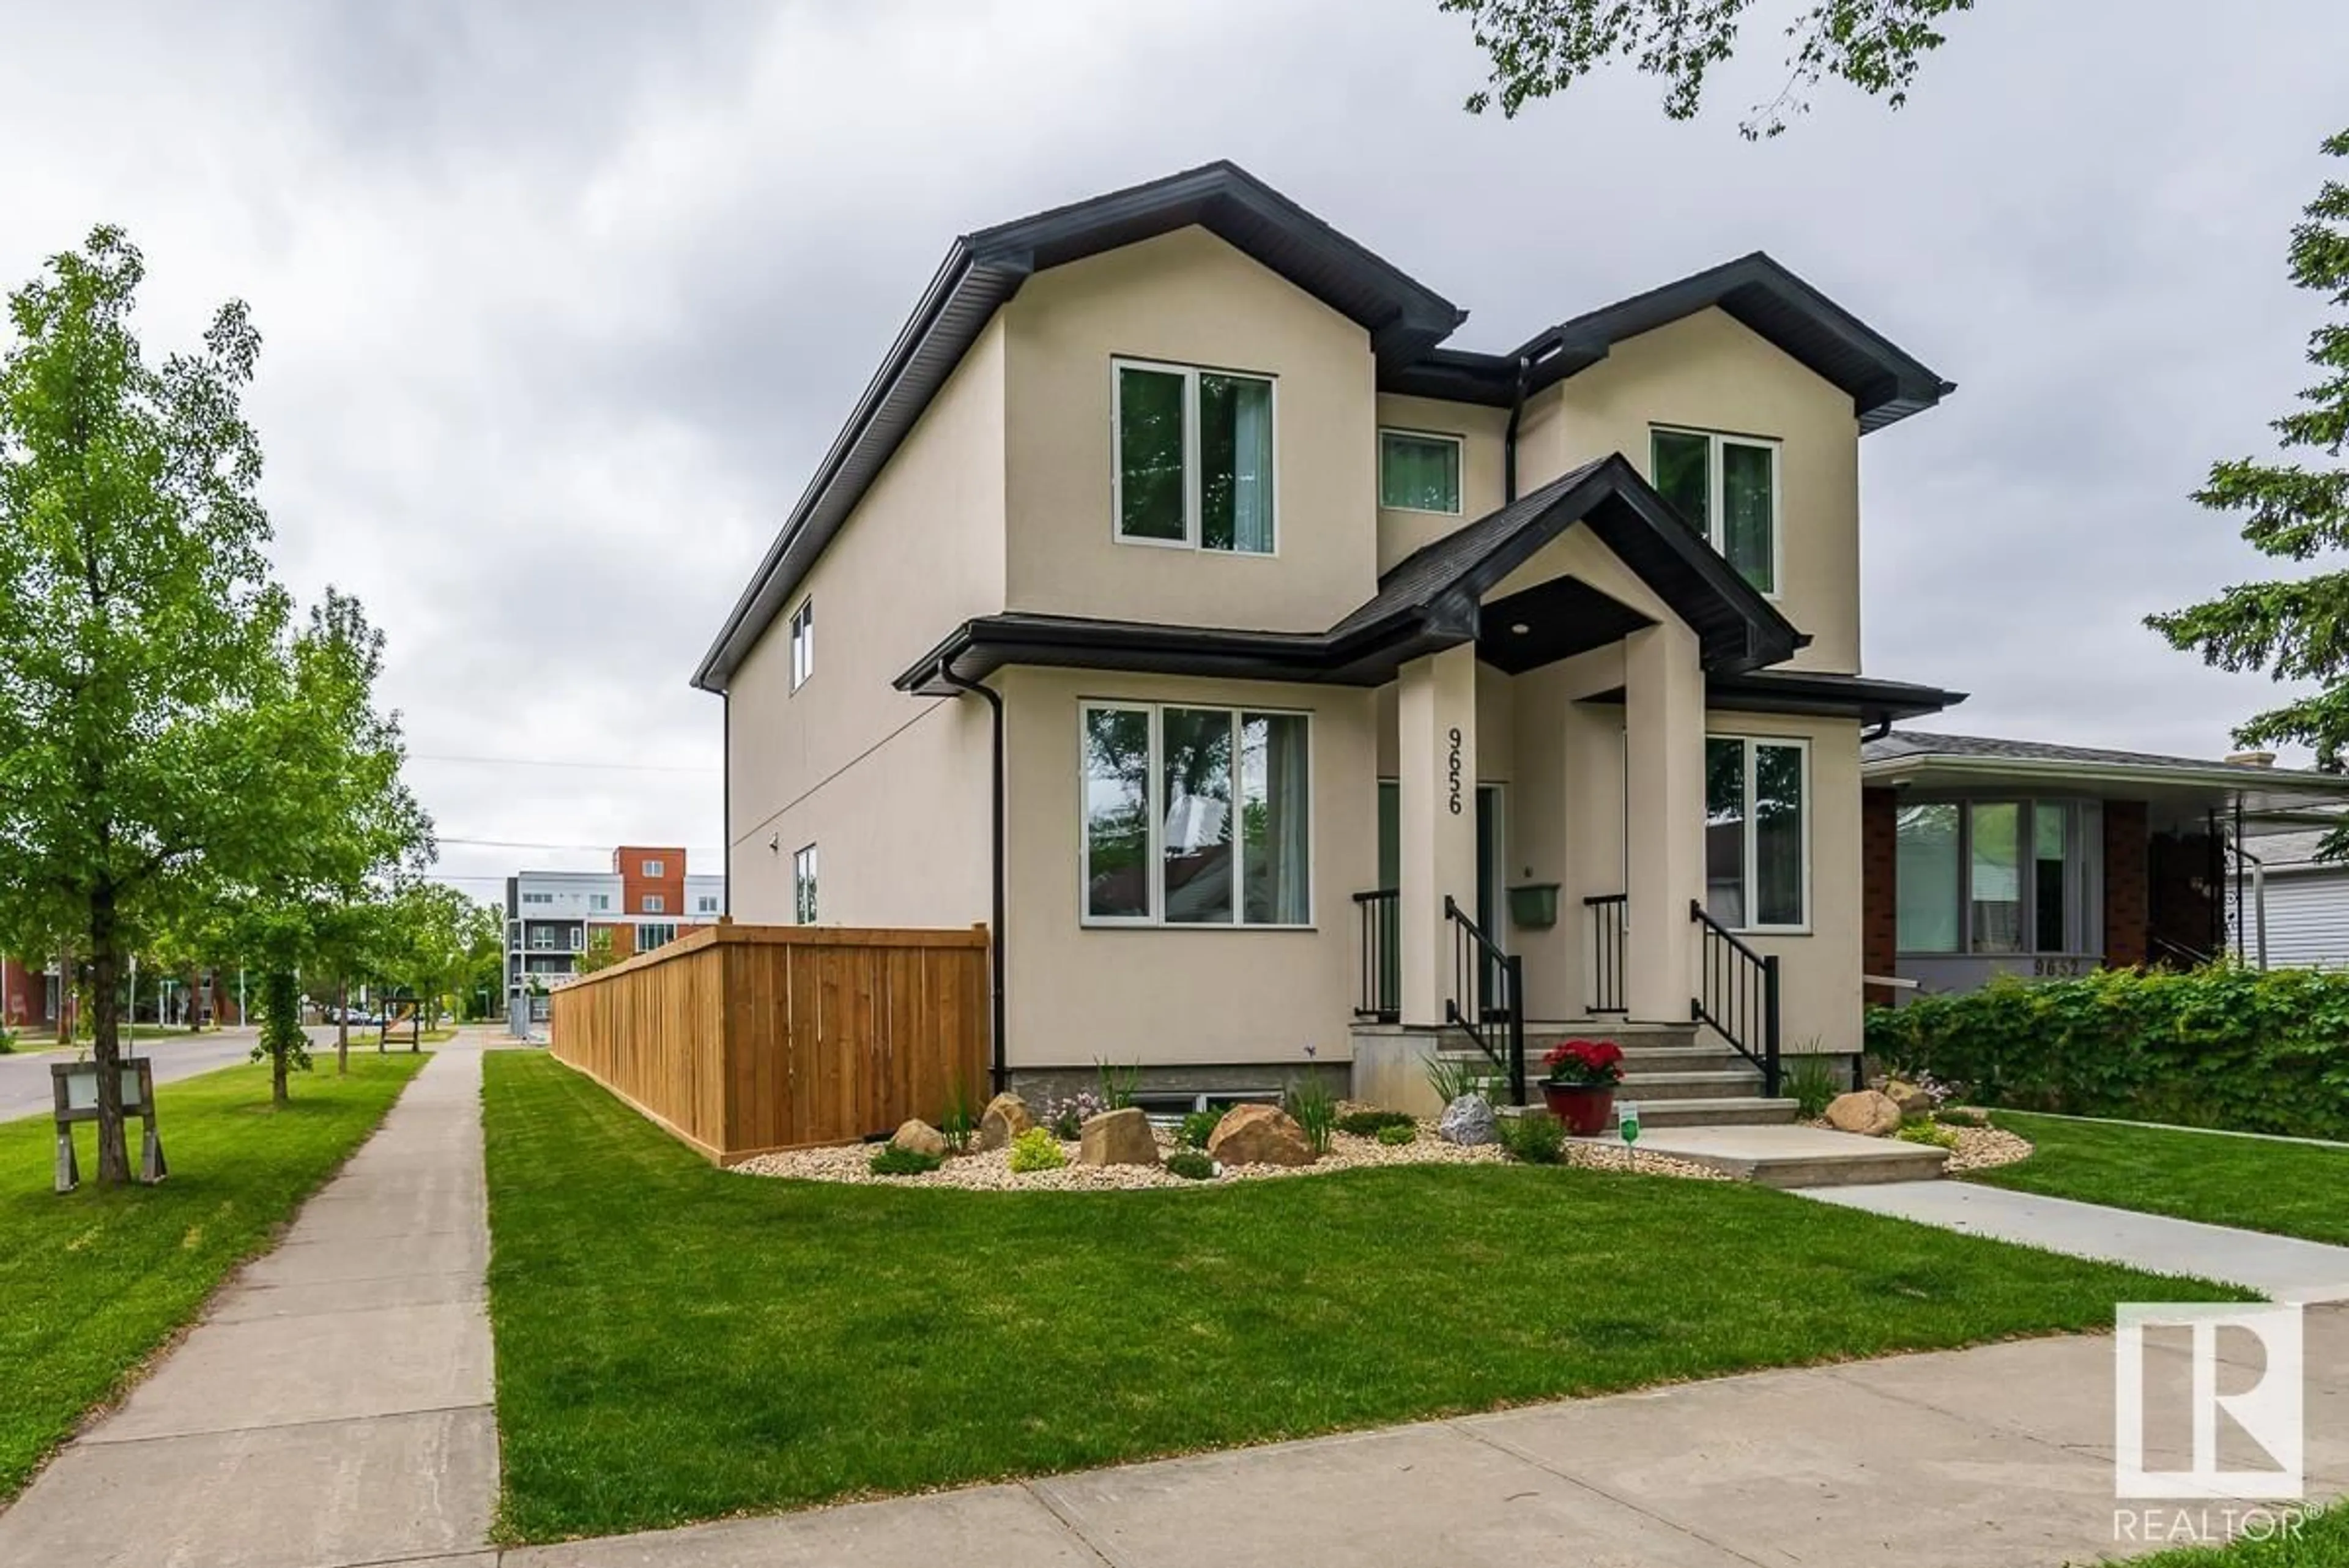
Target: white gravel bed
<point x="1982" y="1148"/>
<point x="992" y="1171"/>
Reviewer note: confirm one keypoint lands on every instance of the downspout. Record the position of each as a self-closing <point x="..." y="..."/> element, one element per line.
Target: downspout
<point x="725" y="808"/>
<point x="1000" y="1071"/>
<point x="1509" y="436"/>
<point x="1876" y="730"/>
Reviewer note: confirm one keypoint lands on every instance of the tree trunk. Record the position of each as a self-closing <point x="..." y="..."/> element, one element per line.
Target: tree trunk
<point x="106" y="1050"/>
<point x="342" y="1028"/>
<point x="196" y="995"/>
<point x="65" y="997"/>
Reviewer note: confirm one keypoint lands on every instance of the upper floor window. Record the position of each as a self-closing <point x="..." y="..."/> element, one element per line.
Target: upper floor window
<point x="1757" y="846"/>
<point x="538" y="898"/>
<point x="656" y="868"/>
<point x="804" y="885"/>
<point x="654" y="904"/>
<point x="1727" y="486"/>
<point x="1194" y="458"/>
<point x="802" y="643"/>
<point x="1419" y="473"/>
<point x="599" y="901"/>
<point x="705" y="904"/>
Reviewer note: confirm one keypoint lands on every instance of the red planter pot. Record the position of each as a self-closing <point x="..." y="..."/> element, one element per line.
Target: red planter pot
<point x="1582" y="1112"/>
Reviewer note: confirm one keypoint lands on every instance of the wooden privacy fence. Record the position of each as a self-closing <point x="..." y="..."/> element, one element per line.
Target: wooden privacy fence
<point x="742" y="1040"/>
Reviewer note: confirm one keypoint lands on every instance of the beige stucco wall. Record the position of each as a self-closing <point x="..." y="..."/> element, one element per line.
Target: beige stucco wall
<point x="1186" y="298"/>
<point x="892" y="789"/>
<point x="1708" y="372"/>
<point x="1178" y="995"/>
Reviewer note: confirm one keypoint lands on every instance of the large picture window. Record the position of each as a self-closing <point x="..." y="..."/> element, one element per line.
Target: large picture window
<point x="1756" y="841"/>
<point x="1997" y="877"/>
<point x="1194" y="458"/>
<point x="1419" y="473"/>
<point x="1195" y="816"/>
<point x="1727" y="487"/>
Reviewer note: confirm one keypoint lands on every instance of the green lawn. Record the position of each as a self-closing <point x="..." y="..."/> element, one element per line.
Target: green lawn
<point x="92" y="1281"/>
<point x="2292" y="1189"/>
<point x="2321" y="1540"/>
<point x="676" y="1343"/>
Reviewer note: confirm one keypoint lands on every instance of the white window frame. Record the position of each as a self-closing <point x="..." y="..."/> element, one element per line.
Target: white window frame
<point x="1460" y="470"/>
<point x="1716" y="531"/>
<point x="599" y="901"/>
<point x="1750" y="827"/>
<point x="654" y="867"/>
<point x="654" y="904"/>
<point x="802" y="641"/>
<point x="1154" y="815"/>
<point x="1190" y="463"/>
<point x="807" y="884"/>
<point x="705" y="904"/>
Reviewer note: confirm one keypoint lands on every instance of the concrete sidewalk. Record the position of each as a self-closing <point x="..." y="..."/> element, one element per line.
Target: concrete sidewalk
<point x="1994" y="1457"/>
<point x="334" y="1406"/>
<point x="2279" y="1267"/>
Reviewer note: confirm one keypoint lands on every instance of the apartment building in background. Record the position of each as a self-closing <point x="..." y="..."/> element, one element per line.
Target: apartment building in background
<point x="647" y="899"/>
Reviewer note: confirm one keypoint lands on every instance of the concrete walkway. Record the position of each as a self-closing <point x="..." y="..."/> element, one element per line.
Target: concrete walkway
<point x="335" y="1407"/>
<point x="1994" y="1457"/>
<point x="2279" y="1267"/>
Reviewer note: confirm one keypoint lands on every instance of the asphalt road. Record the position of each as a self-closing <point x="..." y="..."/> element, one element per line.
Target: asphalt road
<point x="24" y="1078"/>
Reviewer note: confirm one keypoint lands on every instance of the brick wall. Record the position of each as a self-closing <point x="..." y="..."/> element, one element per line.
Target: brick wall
<point x="25" y="991"/>
<point x="1879" y="880"/>
<point x="2127" y="883"/>
<point x="629" y="860"/>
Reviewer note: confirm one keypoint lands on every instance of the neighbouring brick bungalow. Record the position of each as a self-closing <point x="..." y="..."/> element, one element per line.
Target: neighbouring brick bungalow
<point x="1982" y="856"/>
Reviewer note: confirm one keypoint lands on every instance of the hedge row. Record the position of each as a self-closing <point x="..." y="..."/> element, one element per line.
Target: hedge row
<point x="2222" y="1046"/>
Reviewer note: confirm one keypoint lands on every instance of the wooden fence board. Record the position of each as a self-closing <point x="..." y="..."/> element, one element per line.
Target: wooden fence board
<point x="745" y="1039"/>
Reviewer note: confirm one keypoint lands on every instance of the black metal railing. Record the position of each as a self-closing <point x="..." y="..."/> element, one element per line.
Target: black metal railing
<point x="1381" y="996"/>
<point x="1610" y="934"/>
<point x="1487" y="996"/>
<point x="2165" y="950"/>
<point x="1737" y="993"/>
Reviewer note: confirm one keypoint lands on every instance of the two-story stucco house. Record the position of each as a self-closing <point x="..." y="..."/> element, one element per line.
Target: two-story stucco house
<point x="1263" y="671"/>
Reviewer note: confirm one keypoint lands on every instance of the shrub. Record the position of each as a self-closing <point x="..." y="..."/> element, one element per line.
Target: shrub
<point x="1370" y="1124"/>
<point x="1811" y="1082"/>
<point x="1927" y="1132"/>
<point x="1395" y="1136"/>
<point x="1199" y="1127"/>
<point x="1036" y="1149"/>
<point x="1451" y="1077"/>
<point x="1190" y="1163"/>
<point x="894" y="1162"/>
<point x="1315" y="1109"/>
<point x="1536" y="1138"/>
<point x="8" y="1042"/>
<point x="2222" y="1046"/>
<point x="959" y="1122"/>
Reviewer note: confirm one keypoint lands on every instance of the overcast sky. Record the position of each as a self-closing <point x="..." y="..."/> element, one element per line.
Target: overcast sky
<point x="561" y="302"/>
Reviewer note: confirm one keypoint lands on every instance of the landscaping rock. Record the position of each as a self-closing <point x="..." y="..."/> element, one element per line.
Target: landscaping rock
<point x="920" y="1138"/>
<point x="1868" y="1112"/>
<point x="1117" y="1137"/>
<point x="1965" y="1115"/>
<point x="1913" y="1100"/>
<point x="1468" y="1121"/>
<point x="1259" y="1135"/>
<point x="1005" y="1118"/>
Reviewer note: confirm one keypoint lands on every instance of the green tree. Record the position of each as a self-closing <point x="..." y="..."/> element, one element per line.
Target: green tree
<point x="138" y="625"/>
<point x="601" y="952"/>
<point x="341" y="831"/>
<point x="1537" y="48"/>
<point x="2297" y="628"/>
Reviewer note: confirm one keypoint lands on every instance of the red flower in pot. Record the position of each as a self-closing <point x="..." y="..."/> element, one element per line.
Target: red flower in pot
<point x="1578" y="1084"/>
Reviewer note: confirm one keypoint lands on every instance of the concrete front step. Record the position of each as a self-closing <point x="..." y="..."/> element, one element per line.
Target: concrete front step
<point x="1650" y="1088"/>
<point x="1789" y="1157"/>
<point x="1727" y="1111"/>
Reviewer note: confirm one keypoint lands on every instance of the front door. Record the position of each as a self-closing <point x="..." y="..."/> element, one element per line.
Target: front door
<point x="1490" y="848"/>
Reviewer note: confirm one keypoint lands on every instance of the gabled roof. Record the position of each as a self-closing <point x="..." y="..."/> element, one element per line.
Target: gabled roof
<point x="1430" y="600"/>
<point x="1406" y="322"/>
<point x="981" y="271"/>
<point x="1886" y="383"/>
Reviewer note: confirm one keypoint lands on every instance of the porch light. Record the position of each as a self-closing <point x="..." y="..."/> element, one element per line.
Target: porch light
<point x="1520" y="627"/>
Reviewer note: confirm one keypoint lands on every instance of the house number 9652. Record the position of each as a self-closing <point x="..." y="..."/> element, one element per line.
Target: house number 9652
<point x="1456" y="773"/>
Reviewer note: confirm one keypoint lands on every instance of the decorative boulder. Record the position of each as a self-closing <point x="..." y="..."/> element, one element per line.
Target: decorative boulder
<point x="1117" y="1137"/>
<point x="1870" y="1112"/>
<point x="919" y="1137"/>
<point x="1913" y="1100"/>
<point x="1469" y="1121"/>
<point x="1005" y="1118"/>
<point x="1259" y="1135"/>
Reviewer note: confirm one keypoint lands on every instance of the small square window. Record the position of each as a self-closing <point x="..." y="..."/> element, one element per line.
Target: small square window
<point x="1419" y="473"/>
<point x="802" y="643"/>
<point x="654" y="904"/>
<point x="656" y="868"/>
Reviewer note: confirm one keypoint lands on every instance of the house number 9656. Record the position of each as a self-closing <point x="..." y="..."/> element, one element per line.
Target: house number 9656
<point x="1456" y="773"/>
